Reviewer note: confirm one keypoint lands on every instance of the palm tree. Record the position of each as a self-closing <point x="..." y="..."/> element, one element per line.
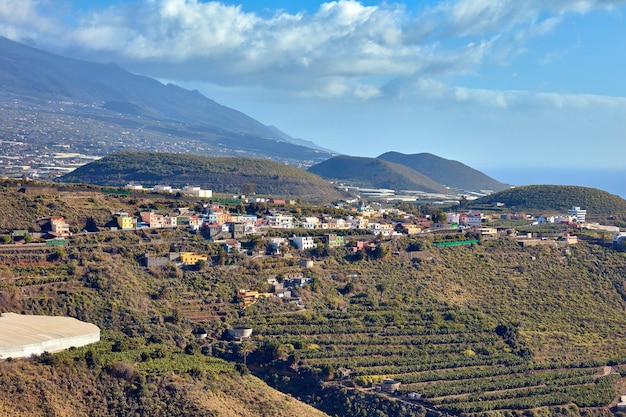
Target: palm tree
<point x="244" y="349"/>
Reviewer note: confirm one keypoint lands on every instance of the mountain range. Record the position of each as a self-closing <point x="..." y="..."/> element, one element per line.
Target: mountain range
<point x="52" y="103"/>
<point x="129" y="110"/>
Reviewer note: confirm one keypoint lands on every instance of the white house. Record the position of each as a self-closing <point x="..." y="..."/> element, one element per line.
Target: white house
<point x="577" y="214"/>
<point x="311" y="223"/>
<point x="303" y="242"/>
<point x="618" y="238"/>
<point x="359" y="223"/>
<point x="249" y="218"/>
<point x="452" y="218"/>
<point x="280" y="221"/>
<point x="163" y="188"/>
<point x="197" y="192"/>
<point x="275" y="243"/>
<point x="471" y="219"/>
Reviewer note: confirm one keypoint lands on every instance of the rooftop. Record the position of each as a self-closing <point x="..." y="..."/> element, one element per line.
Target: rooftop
<point x="29" y="333"/>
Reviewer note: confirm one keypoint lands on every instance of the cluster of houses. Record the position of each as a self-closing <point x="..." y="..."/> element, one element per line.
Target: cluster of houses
<point x="280" y="289"/>
<point x="188" y="190"/>
<point x="217" y="223"/>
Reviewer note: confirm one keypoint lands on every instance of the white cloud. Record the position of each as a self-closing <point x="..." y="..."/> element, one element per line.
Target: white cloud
<point x="344" y="49"/>
<point x="432" y="89"/>
<point x="25" y="20"/>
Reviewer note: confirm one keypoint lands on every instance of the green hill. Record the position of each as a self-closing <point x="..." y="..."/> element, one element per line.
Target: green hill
<point x="222" y="175"/>
<point x="453" y="174"/>
<point x="375" y="173"/>
<point x="558" y="198"/>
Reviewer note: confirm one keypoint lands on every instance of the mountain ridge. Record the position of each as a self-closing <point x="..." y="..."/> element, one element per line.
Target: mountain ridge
<point x="82" y="89"/>
<point x="558" y="198"/>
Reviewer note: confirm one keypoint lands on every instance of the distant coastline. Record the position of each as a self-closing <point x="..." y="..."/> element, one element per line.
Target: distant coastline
<point x="612" y="181"/>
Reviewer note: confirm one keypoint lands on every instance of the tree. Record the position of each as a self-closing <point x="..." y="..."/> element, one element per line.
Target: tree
<point x="91" y="225"/>
<point x="256" y="242"/>
<point x="439" y="216"/>
<point x="380" y="287"/>
<point x="327" y="373"/>
<point x="244" y="349"/>
<point x="247" y="189"/>
<point x="380" y="252"/>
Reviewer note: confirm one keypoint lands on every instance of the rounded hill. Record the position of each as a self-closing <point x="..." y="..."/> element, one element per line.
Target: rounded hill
<point x="222" y="175"/>
<point x="558" y="198"/>
<point x="447" y="172"/>
<point x="376" y="173"/>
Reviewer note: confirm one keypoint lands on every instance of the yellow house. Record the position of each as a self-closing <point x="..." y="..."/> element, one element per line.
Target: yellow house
<point x="126" y="222"/>
<point x="411" y="229"/>
<point x="190" y="258"/>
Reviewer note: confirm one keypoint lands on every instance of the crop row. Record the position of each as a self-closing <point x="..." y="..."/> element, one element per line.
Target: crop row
<point x="488" y="371"/>
<point x="397" y="365"/>
<point x="509" y="393"/>
<point x="373" y="329"/>
<point x="369" y="339"/>
<point x="385" y="350"/>
<point x="594" y="394"/>
<point x="504" y="382"/>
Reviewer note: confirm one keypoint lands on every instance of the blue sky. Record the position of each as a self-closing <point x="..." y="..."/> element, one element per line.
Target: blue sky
<point x="495" y="84"/>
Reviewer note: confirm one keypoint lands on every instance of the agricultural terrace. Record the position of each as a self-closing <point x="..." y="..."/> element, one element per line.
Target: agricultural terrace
<point x="476" y="329"/>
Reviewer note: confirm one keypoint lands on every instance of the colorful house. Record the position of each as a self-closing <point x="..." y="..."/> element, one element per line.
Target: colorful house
<point x="126" y="222"/>
<point x="58" y="226"/>
<point x="191" y="258"/>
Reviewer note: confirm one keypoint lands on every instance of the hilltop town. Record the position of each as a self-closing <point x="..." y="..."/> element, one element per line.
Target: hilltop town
<point x="302" y="227"/>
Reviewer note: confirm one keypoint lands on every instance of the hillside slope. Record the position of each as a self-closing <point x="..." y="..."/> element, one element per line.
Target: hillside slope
<point x="148" y="362"/>
<point x="375" y="173"/>
<point x="453" y="174"/>
<point x="491" y="328"/>
<point x="38" y="83"/>
<point x="222" y="175"/>
<point x="558" y="198"/>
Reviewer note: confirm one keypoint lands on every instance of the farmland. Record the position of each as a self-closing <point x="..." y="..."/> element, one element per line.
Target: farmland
<point x="448" y="333"/>
<point x="487" y="328"/>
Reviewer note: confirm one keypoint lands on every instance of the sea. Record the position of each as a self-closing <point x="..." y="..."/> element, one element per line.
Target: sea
<point x="612" y="181"/>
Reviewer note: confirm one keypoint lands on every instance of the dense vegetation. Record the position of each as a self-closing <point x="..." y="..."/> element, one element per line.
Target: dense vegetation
<point x="224" y="175"/>
<point x="450" y="173"/>
<point x="557" y="198"/>
<point x="23" y="210"/>
<point x="375" y="173"/>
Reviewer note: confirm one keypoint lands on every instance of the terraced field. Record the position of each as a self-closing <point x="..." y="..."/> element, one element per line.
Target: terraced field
<point x="461" y="366"/>
<point x="471" y="336"/>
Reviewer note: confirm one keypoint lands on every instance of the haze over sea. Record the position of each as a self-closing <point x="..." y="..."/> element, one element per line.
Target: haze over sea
<point x="612" y="181"/>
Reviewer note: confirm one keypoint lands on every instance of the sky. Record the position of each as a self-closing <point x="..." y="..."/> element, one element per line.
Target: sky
<point x="495" y="84"/>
